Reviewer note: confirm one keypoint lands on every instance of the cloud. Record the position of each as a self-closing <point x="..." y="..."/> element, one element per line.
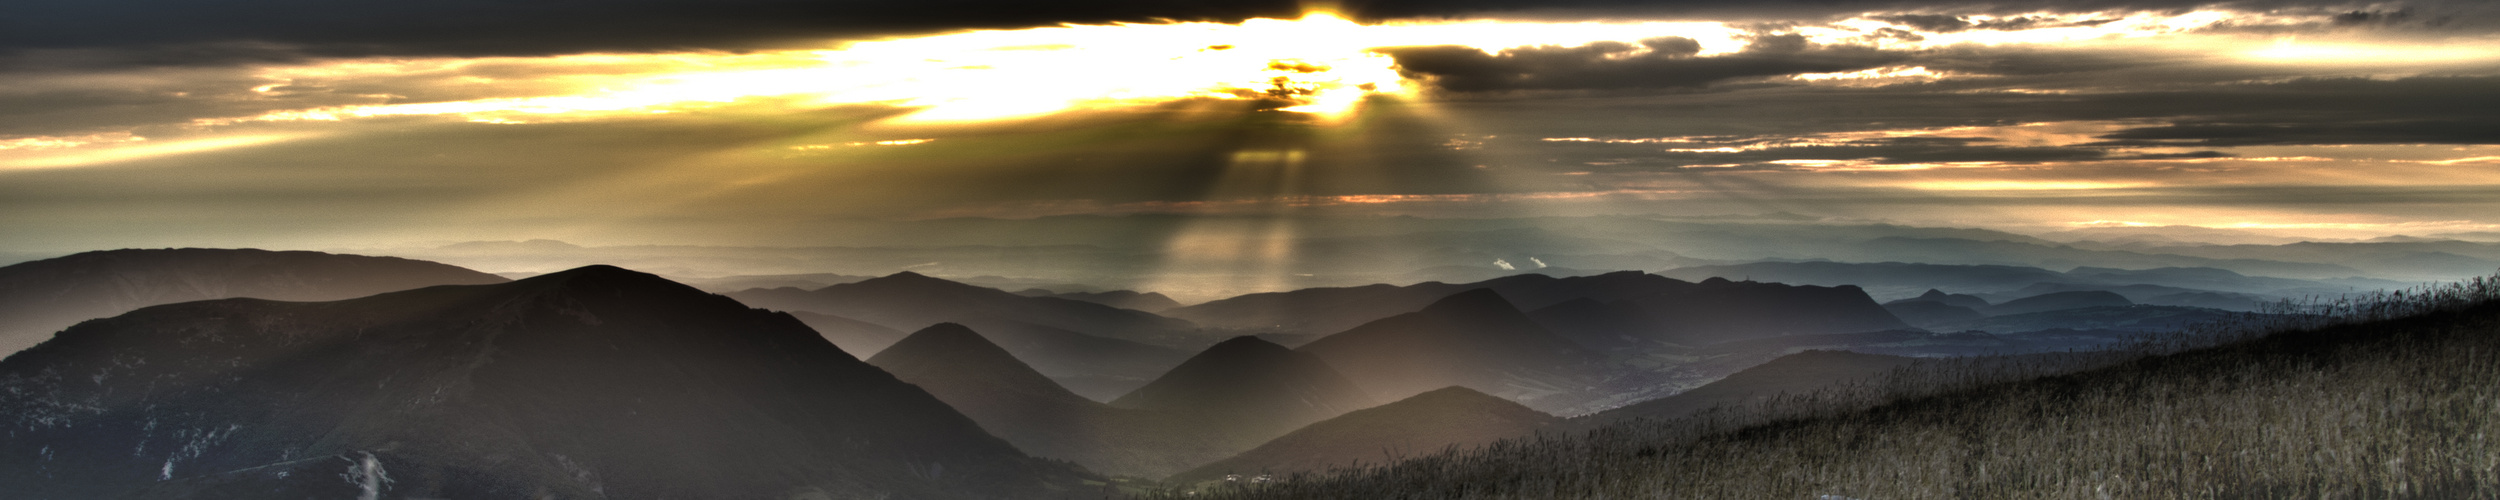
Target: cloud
<point x="226" y="30"/>
<point x="1813" y="152"/>
<point x="2451" y="131"/>
<point x="1657" y="63"/>
<point x="2432" y="12"/>
<point x="1941" y="23"/>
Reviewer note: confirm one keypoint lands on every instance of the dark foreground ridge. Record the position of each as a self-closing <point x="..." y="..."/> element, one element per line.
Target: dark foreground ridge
<point x="588" y="383"/>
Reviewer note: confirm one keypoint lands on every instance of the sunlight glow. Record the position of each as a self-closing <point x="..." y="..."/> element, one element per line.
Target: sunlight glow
<point x="1320" y="63"/>
<point x="86" y="154"/>
<point x="2006" y="185"/>
<point x="2293" y="50"/>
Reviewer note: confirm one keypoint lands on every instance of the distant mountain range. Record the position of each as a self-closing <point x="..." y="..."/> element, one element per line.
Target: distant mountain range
<point x="593" y="382"/>
<point x="41" y="297"/>
<point x="1693" y="312"/>
<point x="1098" y="253"/>
<point x="1124" y="299"/>
<point x="1897" y="279"/>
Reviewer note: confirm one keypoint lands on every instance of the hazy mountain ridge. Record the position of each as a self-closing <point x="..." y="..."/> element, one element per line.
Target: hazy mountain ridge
<point x="860" y="338"/>
<point x="1124" y="299"/>
<point x="1685" y="311"/>
<point x="1473" y="339"/>
<point x="1798" y="373"/>
<point x="41" y="297"/>
<point x="1111" y="252"/>
<point x="905" y="300"/>
<point x="591" y="382"/>
<point x="1233" y="397"/>
<point x="1420" y="424"/>
<point x="1016" y="403"/>
<point x="2399" y="381"/>
<point x="2056" y="301"/>
<point x="1106" y="349"/>
<point x="2002" y="282"/>
<point x="1259" y="387"/>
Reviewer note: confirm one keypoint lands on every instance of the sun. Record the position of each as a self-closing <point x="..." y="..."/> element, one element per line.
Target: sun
<point x="1320" y="63"/>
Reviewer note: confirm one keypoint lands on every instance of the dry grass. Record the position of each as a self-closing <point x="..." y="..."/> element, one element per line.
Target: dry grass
<point x="2391" y="396"/>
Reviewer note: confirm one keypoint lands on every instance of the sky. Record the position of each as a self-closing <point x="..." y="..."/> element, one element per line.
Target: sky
<point x="291" y="124"/>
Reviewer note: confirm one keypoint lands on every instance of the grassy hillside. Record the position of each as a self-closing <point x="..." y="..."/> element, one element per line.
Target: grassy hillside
<point x="2394" y="397"/>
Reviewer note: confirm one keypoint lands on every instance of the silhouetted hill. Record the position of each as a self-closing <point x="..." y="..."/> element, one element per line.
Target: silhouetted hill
<point x="1124" y="299"/>
<point x="2058" y="300"/>
<point x="1893" y="279"/>
<point x="1926" y="314"/>
<point x="1331" y="310"/>
<point x="593" y="382"/>
<point x="2135" y="318"/>
<point x="2154" y="294"/>
<point x="41" y="297"/>
<point x="809" y="281"/>
<point x="1425" y="423"/>
<point x="1719" y="310"/>
<point x="1473" y="339"/>
<point x="1795" y="373"/>
<point x="860" y="338"/>
<point x="1598" y="325"/>
<point x="1251" y="384"/>
<point x="2210" y="300"/>
<point x="1712" y="311"/>
<point x="1018" y="404"/>
<point x="2197" y="278"/>
<point x="1972" y="302"/>
<point x="946" y="352"/>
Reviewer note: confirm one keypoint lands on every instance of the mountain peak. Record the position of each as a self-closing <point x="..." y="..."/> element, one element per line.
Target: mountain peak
<point x="1245" y="345"/>
<point x="1254" y="382"/>
<point x="1438" y="419"/>
<point x="911" y="282"/>
<point x="1457" y="394"/>
<point x="1934" y="294"/>
<point x="948" y="353"/>
<point x="605" y="279"/>
<point x="953" y="339"/>
<point x="595" y="270"/>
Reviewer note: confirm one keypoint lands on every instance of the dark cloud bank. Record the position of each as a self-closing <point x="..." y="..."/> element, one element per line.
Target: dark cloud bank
<point x="1665" y="62"/>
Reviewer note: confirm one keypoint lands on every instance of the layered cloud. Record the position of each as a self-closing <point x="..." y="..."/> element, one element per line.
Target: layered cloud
<point x="713" y="126"/>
